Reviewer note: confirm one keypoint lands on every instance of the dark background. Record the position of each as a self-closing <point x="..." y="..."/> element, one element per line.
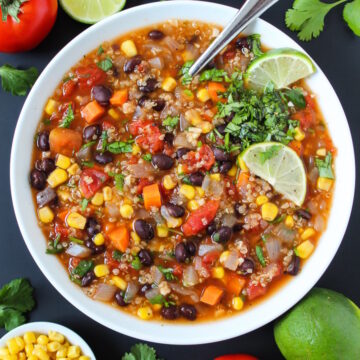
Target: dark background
<point x="337" y="51"/>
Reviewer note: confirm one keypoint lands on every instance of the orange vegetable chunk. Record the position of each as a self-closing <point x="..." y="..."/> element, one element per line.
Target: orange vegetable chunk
<point x="235" y="284"/>
<point x="213" y="89"/>
<point x="152" y="196"/>
<point x="65" y="141"/>
<point x="211" y="295"/>
<point x="120" y="238"/>
<point x="119" y="97"/>
<point x="92" y="112"/>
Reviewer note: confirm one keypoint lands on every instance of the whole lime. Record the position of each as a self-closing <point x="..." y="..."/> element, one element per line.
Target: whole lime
<point x="324" y="325"/>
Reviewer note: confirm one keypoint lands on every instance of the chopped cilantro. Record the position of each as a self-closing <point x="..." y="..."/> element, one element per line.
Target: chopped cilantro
<point x="186" y="180"/>
<point x="88" y="164"/>
<point x="105" y="64"/>
<point x="147" y="157"/>
<point x="161" y="300"/>
<point x="119" y="180"/>
<point x="269" y="153"/>
<point x="100" y="50"/>
<point x="84" y="203"/>
<point x="188" y="93"/>
<point x="168" y="273"/>
<point x="278" y="220"/>
<point x="104" y="143"/>
<point x="141" y="352"/>
<point x="255" y="44"/>
<point x="119" y="147"/>
<point x="184" y="73"/>
<point x="325" y="166"/>
<point x="47" y="122"/>
<point x="217" y="75"/>
<point x="88" y="144"/>
<point x="69" y="117"/>
<point x="171" y="121"/>
<point x="54" y="246"/>
<point x="296" y="97"/>
<point x="136" y="263"/>
<point x="260" y="255"/>
<point x="83" y="268"/>
<point x="117" y="255"/>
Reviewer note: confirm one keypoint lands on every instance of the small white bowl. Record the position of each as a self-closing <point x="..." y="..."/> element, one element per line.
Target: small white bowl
<point x="165" y="332"/>
<point x="44" y="328"/>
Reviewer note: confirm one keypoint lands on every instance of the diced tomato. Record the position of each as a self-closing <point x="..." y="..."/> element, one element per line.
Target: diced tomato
<point x="307" y="117"/>
<point x="109" y="260"/>
<point x="149" y="136"/>
<point x="202" y="159"/>
<point x="211" y="257"/>
<point x="136" y="127"/>
<point x="200" y="218"/>
<point x="88" y="76"/>
<point x="254" y="291"/>
<point x="106" y="125"/>
<point x="296" y="146"/>
<point x="236" y="357"/>
<point x="177" y="270"/>
<point x="92" y="180"/>
<point x="61" y="230"/>
<point x="68" y="88"/>
<point x="142" y="183"/>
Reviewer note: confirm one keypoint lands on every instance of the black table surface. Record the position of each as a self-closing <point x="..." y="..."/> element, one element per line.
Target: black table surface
<point x="337" y="51"/>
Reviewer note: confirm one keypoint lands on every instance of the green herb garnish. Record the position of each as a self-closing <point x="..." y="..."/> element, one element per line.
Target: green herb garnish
<point x="69" y="118"/>
<point x="100" y="50"/>
<point x="255" y="44"/>
<point x="168" y="273"/>
<point x="117" y="255"/>
<point x="89" y="144"/>
<point x="217" y="75"/>
<point x="136" y="263"/>
<point x="260" y="255"/>
<point x="88" y="164"/>
<point x="76" y="240"/>
<point x="83" y="268"/>
<point x="54" y="246"/>
<point x="141" y="352"/>
<point x="171" y="121"/>
<point x="147" y="157"/>
<point x="161" y="300"/>
<point x="84" y="203"/>
<point x="269" y="153"/>
<point x="296" y="97"/>
<point x="186" y="78"/>
<point x="105" y="64"/>
<point x="325" y="166"/>
<point x="119" y="147"/>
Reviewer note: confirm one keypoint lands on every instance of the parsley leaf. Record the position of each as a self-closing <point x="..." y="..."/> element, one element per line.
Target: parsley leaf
<point x="119" y="180"/>
<point x="171" y="121"/>
<point x="16" y="81"/>
<point x="141" y="352"/>
<point x="296" y="97"/>
<point x="117" y="255"/>
<point x="84" y="203"/>
<point x="136" y="263"/>
<point x="69" y="117"/>
<point x="217" y="75"/>
<point x="16" y="298"/>
<point x="168" y="273"/>
<point x="147" y="157"/>
<point x="325" y="166"/>
<point x="119" y="147"/>
<point x="105" y="64"/>
<point x="255" y="44"/>
<point x="351" y="15"/>
<point x="307" y="17"/>
<point x="54" y="247"/>
<point x="186" y="78"/>
<point x="269" y="154"/>
<point x="100" y="50"/>
<point x="83" y="268"/>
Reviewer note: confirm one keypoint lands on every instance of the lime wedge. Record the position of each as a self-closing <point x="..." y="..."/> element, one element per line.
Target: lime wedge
<point x="91" y="11"/>
<point x="281" y="66"/>
<point x="280" y="166"/>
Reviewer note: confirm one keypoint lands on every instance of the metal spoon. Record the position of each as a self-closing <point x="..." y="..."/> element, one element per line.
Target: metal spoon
<point x="249" y="11"/>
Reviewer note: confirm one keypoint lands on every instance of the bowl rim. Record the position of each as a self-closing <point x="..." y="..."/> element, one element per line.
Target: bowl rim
<point x="43" y="327"/>
<point x="197" y="333"/>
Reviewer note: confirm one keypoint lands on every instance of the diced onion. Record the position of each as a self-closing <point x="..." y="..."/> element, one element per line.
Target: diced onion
<point x="272" y="246"/>
<point x="228" y="220"/>
<point x="78" y="250"/>
<point x="181" y="141"/>
<point x="152" y="293"/>
<point x="131" y="291"/>
<point x="186" y="292"/>
<point x="319" y="223"/>
<point x="208" y="248"/>
<point x="284" y="233"/>
<point x="190" y="276"/>
<point x="232" y="261"/>
<point x="157" y="62"/>
<point x="172" y="44"/>
<point x="143" y="170"/>
<point x="112" y="209"/>
<point x="156" y="274"/>
<point x="105" y="292"/>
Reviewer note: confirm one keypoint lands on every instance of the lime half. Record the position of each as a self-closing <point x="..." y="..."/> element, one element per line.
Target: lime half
<point x="280" y="166"/>
<point x="281" y="66"/>
<point x="91" y="11"/>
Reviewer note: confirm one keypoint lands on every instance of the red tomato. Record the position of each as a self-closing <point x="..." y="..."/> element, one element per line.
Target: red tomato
<point x="178" y="270"/>
<point x="91" y="180"/>
<point x="148" y="135"/>
<point x="202" y="159"/>
<point x="236" y="357"/>
<point x="307" y="117"/>
<point x="68" y="88"/>
<point x="28" y="27"/>
<point x="88" y="76"/>
<point x="136" y="127"/>
<point x="61" y="230"/>
<point x="255" y="291"/>
<point x="211" y="257"/>
<point x="200" y="218"/>
<point x="142" y="183"/>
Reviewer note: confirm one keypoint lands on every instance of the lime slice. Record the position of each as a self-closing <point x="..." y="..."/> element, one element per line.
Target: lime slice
<point x="280" y="166"/>
<point x="281" y="66"/>
<point x="91" y="11"/>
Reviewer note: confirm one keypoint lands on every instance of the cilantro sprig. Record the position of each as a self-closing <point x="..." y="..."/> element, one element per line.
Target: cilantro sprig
<point x="68" y="118"/>
<point x="325" y="166"/>
<point x="186" y="78"/>
<point x="141" y="352"/>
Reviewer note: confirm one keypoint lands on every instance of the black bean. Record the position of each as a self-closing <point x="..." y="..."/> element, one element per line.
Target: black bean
<point x="149" y="86"/>
<point x="144" y="289"/>
<point x="221" y="129"/>
<point x="237" y="227"/>
<point x="103" y="158"/>
<point x="162" y="161"/>
<point x="45" y="197"/>
<point x="38" y="179"/>
<point x="156" y="35"/>
<point x="88" y="279"/>
<point x="144" y="229"/>
<point x="220" y="155"/>
<point x="222" y="235"/>
<point x="181" y="253"/>
<point x="131" y="64"/>
<point x="92" y="226"/>
<point x="46" y="165"/>
<point x="169" y="138"/>
<point x="247" y="267"/>
<point x="303" y="213"/>
<point x="101" y="94"/>
<point x="211" y="65"/>
<point x="142" y="100"/>
<point x="294" y="266"/>
<point x="197" y="178"/>
<point x="191" y="248"/>
<point x="119" y="298"/>
<point x="145" y="257"/>
<point x="211" y="228"/>
<point x="42" y="142"/>
<point x="176" y="211"/>
<point x="242" y="43"/>
<point x="181" y="152"/>
<point x="95" y="250"/>
<point x="225" y="167"/>
<point x="92" y="132"/>
<point x="188" y="311"/>
<point x="170" y="313"/>
<point x="159" y="104"/>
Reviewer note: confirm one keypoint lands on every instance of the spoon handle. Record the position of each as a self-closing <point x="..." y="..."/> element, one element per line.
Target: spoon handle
<point x="249" y="11"/>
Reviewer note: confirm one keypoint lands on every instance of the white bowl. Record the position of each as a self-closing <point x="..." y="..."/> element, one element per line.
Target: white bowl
<point x="44" y="328"/>
<point x="194" y="333"/>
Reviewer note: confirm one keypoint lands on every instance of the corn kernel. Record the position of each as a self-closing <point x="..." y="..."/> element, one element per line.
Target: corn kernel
<point x="135" y="149"/>
<point x="162" y="230"/>
<point x="4" y="352"/>
<point x="46" y="215"/>
<point x="242" y="164"/>
<point x="299" y="134"/>
<point x="55" y="336"/>
<point x="145" y="313"/>
<point x="169" y="84"/>
<point x="101" y="270"/>
<point x="29" y="338"/>
<point x="73" y="351"/>
<point x="218" y="272"/>
<point x="29" y="348"/>
<point x="206" y="127"/>
<point x="99" y="239"/>
<point x="98" y="199"/>
<point x="321" y="152"/>
<point x="135" y="237"/>
<point x="107" y="192"/>
<point x="129" y="48"/>
<point x="203" y="95"/>
<point x="289" y="221"/>
<point x="64" y="195"/>
<point x="324" y="184"/>
<point x="126" y="211"/>
<point x="200" y="191"/>
<point x="84" y="357"/>
<point x="215" y="177"/>
<point x="308" y="233"/>
<point x="269" y="211"/>
<point x="114" y="114"/>
<point x="156" y="307"/>
<point x="174" y="223"/>
<point x="11" y="357"/>
<point x="119" y="282"/>
<point x="74" y="169"/>
<point x="305" y="249"/>
<point x="40" y="346"/>
<point x="193" y="117"/>
<point x="76" y="221"/>
<point x="187" y="55"/>
<point x="180" y="169"/>
<point x="41" y="354"/>
<point x="57" y="177"/>
<point x="168" y="182"/>
<point x="42" y="340"/>
<point x="224" y="255"/>
<point x="237" y="303"/>
<point x="188" y="191"/>
<point x="63" y="161"/>
<point x="193" y="205"/>
<point x="21" y="356"/>
<point x="61" y="353"/>
<point x="53" y="346"/>
<point x="232" y="172"/>
<point x="51" y="106"/>
<point x="261" y="200"/>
